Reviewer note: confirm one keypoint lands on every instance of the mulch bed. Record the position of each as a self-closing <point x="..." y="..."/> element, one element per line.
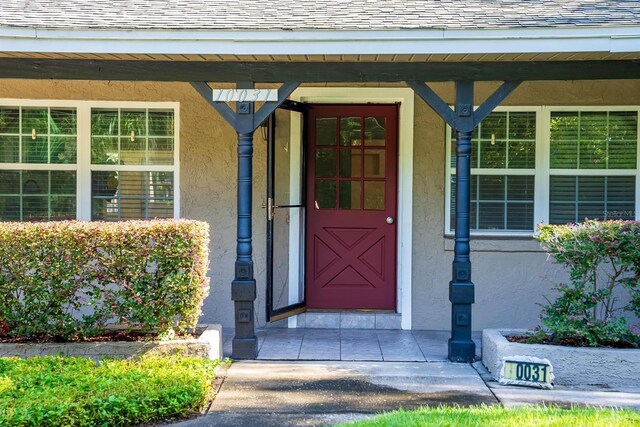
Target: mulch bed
<point x="569" y="342"/>
<point x="109" y="336"/>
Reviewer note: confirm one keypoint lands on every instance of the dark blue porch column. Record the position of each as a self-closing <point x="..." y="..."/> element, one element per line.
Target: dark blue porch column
<point x="461" y="289"/>
<point x="243" y="287"/>
<point x="462" y="121"/>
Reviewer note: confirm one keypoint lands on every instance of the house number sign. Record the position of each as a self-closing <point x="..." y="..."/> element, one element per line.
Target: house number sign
<point x="245" y="95"/>
<point x="527" y="371"/>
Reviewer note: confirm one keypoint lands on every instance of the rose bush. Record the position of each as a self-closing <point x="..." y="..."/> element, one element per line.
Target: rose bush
<point x="71" y="279"/>
<point x="603" y="258"/>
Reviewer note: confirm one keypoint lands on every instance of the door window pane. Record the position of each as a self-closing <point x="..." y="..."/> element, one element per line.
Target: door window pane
<point x="326" y="163"/>
<point x="350" y="194"/>
<point x="374" y="163"/>
<point x="326" y="194"/>
<point x="326" y="131"/>
<point x="351" y="131"/>
<point x="350" y="163"/>
<point x="375" y="131"/>
<point x="374" y="195"/>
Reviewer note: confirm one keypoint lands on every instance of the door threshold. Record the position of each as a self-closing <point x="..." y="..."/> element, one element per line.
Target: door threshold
<point x="349" y="320"/>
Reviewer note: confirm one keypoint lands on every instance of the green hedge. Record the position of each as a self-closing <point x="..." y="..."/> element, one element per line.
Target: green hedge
<point x="66" y="391"/>
<point x="70" y="279"/>
<point x="603" y="260"/>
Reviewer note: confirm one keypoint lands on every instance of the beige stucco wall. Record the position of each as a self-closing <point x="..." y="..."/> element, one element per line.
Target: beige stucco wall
<point x="511" y="275"/>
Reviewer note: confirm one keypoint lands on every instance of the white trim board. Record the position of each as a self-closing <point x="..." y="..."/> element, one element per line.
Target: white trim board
<point x="612" y="39"/>
<point x="405" y="97"/>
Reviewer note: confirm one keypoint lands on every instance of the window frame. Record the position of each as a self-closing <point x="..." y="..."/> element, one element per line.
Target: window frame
<point x="83" y="166"/>
<point x="542" y="171"/>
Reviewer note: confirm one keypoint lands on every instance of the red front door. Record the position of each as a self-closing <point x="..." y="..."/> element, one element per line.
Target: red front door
<point x="351" y="207"/>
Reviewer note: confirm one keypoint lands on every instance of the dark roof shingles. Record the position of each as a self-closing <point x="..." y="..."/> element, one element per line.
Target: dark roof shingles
<point x="316" y="14"/>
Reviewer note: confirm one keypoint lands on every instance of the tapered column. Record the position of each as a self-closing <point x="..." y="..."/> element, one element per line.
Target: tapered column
<point x="461" y="289"/>
<point x="243" y="287"/>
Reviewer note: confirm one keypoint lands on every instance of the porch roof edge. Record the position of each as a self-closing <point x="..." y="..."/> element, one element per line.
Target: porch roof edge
<point x="612" y="39"/>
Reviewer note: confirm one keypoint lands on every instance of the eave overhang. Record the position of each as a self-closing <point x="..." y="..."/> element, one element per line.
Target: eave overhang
<point x="621" y="39"/>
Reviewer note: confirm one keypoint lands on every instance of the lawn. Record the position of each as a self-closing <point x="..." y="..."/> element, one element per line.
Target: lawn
<point x="498" y="416"/>
<point x="67" y="391"/>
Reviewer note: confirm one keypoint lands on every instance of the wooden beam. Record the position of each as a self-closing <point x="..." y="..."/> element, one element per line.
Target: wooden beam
<point x="269" y="107"/>
<point x="434" y="101"/>
<point x="493" y="101"/>
<point x="230" y="71"/>
<point x="223" y="109"/>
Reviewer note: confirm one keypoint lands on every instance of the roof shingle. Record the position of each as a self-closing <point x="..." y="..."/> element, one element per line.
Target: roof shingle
<point x="316" y="14"/>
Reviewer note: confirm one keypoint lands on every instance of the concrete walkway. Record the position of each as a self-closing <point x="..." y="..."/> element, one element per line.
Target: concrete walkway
<point x="315" y="393"/>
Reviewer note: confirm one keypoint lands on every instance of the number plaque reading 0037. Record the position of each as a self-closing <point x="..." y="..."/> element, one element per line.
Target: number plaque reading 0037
<point x="527" y="371"/>
<point x="244" y="95"/>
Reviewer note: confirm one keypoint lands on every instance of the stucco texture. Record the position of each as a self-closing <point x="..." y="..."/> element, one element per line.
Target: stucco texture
<point x="511" y="275"/>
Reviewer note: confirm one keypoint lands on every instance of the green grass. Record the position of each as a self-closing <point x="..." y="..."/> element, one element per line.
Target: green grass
<point x="547" y="416"/>
<point x="67" y="391"/>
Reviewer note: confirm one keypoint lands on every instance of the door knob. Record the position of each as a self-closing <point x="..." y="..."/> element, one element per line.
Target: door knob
<point x="389" y="220"/>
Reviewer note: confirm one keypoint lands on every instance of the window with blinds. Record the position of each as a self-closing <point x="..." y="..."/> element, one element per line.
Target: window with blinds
<point x="37" y="163"/>
<point x="132" y="153"/>
<point x="98" y="160"/>
<point x="593" y="161"/>
<point x="502" y="173"/>
<point x="550" y="165"/>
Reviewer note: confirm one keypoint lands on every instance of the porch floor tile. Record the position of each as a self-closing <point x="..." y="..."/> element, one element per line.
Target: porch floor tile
<point x="350" y="344"/>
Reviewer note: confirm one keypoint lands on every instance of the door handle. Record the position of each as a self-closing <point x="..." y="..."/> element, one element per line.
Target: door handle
<point x="270" y="208"/>
<point x="390" y="220"/>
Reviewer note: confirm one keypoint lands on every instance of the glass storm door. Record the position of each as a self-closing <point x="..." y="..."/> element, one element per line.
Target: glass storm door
<point x="285" y="212"/>
<point x="351" y="207"/>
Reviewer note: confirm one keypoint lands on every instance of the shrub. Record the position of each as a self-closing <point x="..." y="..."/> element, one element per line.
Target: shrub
<point x="66" y="391"/>
<point x="602" y="257"/>
<point x="68" y="279"/>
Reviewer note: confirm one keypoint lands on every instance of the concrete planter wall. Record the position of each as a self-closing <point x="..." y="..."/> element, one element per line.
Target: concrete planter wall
<point x="615" y="368"/>
<point x="208" y="345"/>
